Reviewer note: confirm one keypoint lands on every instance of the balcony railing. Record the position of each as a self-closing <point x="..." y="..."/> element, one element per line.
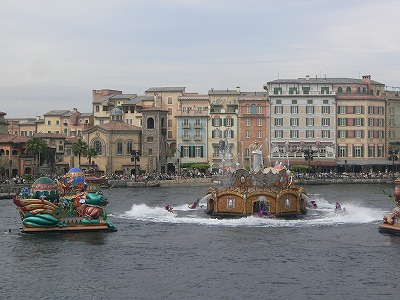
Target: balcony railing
<point x="186" y="138"/>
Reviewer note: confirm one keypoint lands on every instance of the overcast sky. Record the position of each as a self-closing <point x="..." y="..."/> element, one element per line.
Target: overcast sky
<point x="54" y="53"/>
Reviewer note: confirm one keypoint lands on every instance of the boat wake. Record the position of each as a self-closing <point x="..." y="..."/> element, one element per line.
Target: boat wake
<point x="323" y="215"/>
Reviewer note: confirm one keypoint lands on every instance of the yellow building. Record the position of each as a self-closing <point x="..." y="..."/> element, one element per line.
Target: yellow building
<point x="114" y="143"/>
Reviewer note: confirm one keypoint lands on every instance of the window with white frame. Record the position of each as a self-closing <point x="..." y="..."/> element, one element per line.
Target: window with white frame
<point x="197" y="151"/>
<point x="309" y="109"/>
<point x="381" y="134"/>
<point x="381" y="110"/>
<point x="247" y="121"/>
<point x="309" y="121"/>
<point x="370" y="134"/>
<point x="294" y="121"/>
<point x="247" y="134"/>
<point x="259" y="134"/>
<point x="358" y="122"/>
<point x="259" y="122"/>
<point x="294" y="134"/>
<point x="342" y="134"/>
<point x="358" y="110"/>
<point x="185" y="151"/>
<point x="326" y="121"/>
<point x="309" y="133"/>
<point x="279" y="134"/>
<point x="370" y="110"/>
<point x="278" y="110"/>
<point x="259" y="109"/>
<point x="370" y="122"/>
<point x="294" y="109"/>
<point x="278" y="121"/>
<point x="358" y="133"/>
<point x="326" y="134"/>
<point x="342" y="151"/>
<point x="248" y="109"/>
<point x="326" y="110"/>
<point x="228" y="121"/>
<point x="342" y="121"/>
<point x="381" y="122"/>
<point x="357" y="151"/>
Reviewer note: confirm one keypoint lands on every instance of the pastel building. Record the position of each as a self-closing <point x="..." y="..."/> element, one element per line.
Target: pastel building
<point x="191" y="119"/>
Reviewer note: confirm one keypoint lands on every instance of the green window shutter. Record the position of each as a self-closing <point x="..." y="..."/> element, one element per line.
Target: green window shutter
<point x="224" y="121"/>
<point x="212" y="134"/>
<point x="181" y="151"/>
<point x="232" y="122"/>
<point x="212" y="122"/>
<point x="232" y="134"/>
<point x="202" y="151"/>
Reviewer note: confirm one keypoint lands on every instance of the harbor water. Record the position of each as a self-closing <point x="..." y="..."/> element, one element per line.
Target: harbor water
<point x="187" y="254"/>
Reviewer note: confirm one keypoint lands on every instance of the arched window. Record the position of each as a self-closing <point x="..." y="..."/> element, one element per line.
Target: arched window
<point x="169" y="100"/>
<point x="98" y="147"/>
<point x="162" y="123"/>
<point x="248" y="109"/>
<point x="364" y="90"/>
<point x="14" y="152"/>
<point x="97" y="108"/>
<point x="150" y="123"/>
<point x="348" y="90"/>
<point x="119" y="148"/>
<point x="253" y="109"/>
<point x="129" y="148"/>
<point x="2" y="152"/>
<point x="340" y="90"/>
<point x="358" y="90"/>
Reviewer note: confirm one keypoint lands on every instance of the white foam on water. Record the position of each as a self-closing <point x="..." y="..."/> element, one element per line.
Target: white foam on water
<point x="324" y="215"/>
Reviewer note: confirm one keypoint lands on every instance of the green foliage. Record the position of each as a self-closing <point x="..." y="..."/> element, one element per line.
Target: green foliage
<point x="36" y="146"/>
<point x="198" y="166"/>
<point x="300" y="169"/>
<point x="79" y="148"/>
<point x="90" y="153"/>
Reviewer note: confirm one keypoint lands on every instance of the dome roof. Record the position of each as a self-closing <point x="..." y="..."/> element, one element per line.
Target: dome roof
<point x="44" y="180"/>
<point x="116" y="112"/>
<point x="75" y="170"/>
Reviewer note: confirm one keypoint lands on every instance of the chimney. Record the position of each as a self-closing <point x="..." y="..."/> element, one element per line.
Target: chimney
<point x="307" y="77"/>
<point x="238" y="89"/>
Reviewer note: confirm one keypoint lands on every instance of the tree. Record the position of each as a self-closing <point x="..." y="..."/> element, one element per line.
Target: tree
<point x="79" y="148"/>
<point x="90" y="153"/>
<point x="36" y="146"/>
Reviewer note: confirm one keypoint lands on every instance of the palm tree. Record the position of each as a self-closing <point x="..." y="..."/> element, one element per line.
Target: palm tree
<point x="36" y="146"/>
<point x="79" y="148"/>
<point x="90" y="153"/>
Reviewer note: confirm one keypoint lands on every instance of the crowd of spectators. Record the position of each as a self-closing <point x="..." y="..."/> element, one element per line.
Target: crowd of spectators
<point x="187" y="174"/>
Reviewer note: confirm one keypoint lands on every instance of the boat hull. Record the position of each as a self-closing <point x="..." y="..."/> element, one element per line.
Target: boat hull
<point x="103" y="227"/>
<point x="387" y="228"/>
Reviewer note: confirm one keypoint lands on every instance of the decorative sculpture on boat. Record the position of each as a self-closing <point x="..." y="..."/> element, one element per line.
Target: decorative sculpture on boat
<point x="74" y="203"/>
<point x="391" y="222"/>
<point x="263" y="191"/>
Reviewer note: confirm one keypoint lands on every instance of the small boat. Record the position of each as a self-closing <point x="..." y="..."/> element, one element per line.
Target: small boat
<point x="391" y="222"/>
<point x="73" y="204"/>
<point x="248" y="193"/>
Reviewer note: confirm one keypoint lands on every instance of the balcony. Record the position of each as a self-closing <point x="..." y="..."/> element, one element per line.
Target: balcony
<point x="185" y="126"/>
<point x="186" y="138"/>
<point x="198" y="126"/>
<point x="197" y="137"/>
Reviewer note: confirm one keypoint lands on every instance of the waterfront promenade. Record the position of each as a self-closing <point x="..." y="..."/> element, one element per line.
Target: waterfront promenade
<point x="7" y="190"/>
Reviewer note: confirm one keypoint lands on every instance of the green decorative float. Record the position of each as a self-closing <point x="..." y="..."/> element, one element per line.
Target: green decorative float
<point x="64" y="205"/>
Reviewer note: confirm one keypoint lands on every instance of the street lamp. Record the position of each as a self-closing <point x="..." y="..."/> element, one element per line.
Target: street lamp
<point x="394" y="149"/>
<point x="135" y="157"/>
<point x="308" y="156"/>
